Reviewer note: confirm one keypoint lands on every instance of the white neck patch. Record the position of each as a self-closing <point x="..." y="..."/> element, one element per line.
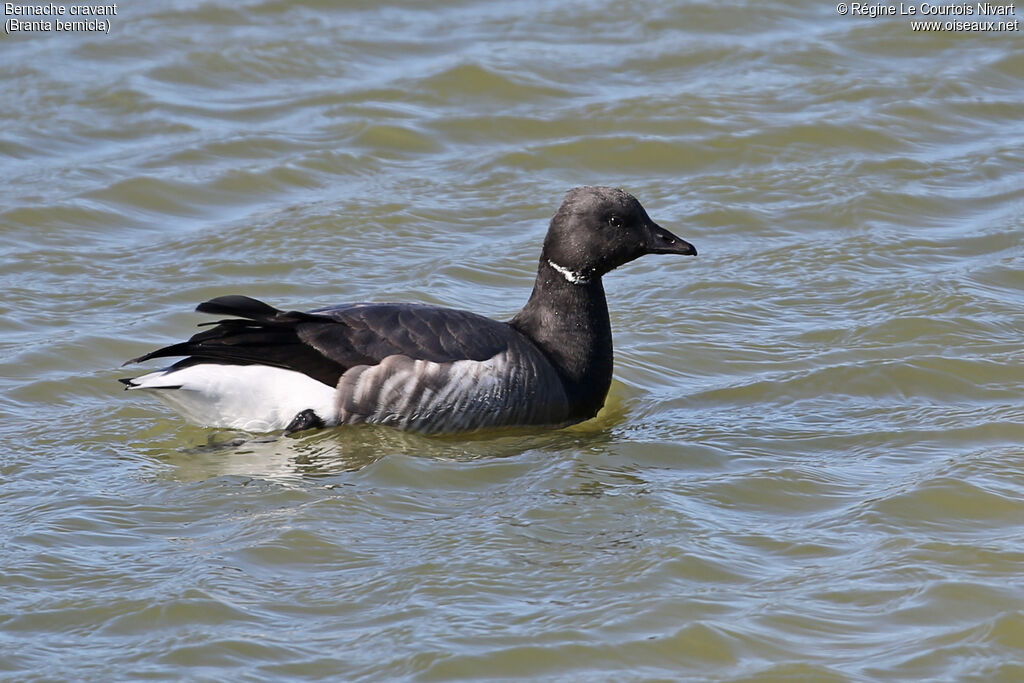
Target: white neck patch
<point x="573" y="278"/>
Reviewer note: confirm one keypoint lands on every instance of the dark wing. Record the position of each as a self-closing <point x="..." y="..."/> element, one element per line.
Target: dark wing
<point x="325" y="343"/>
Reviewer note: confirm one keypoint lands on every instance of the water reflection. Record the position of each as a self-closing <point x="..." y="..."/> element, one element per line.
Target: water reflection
<point x="330" y="452"/>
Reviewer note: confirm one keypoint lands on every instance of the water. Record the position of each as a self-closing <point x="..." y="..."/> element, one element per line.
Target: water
<point x="810" y="464"/>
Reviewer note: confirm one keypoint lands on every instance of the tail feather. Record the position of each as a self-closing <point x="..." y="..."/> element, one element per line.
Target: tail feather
<point x="239" y="306"/>
<point x="227" y="339"/>
<point x="148" y="381"/>
<point x="257" y="334"/>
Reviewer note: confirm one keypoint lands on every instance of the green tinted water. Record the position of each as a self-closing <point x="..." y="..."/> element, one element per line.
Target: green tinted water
<point x="810" y="463"/>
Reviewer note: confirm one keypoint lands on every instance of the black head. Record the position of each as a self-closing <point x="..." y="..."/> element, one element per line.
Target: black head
<point x="598" y="229"/>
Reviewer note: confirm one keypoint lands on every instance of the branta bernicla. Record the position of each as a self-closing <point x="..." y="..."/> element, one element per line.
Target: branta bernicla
<point x="419" y="367"/>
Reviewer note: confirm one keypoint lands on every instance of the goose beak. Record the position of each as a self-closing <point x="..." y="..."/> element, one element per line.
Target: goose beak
<point x="661" y="241"/>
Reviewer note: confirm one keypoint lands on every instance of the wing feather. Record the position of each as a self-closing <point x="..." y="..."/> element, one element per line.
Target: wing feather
<point x="325" y="343"/>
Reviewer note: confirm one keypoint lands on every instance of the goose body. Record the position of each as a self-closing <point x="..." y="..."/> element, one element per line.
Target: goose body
<point x="417" y="367"/>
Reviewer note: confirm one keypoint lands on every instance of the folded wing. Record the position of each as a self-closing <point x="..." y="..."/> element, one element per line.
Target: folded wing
<point x="325" y="343"/>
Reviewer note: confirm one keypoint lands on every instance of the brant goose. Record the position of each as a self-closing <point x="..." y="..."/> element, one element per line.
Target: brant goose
<point x="418" y="367"/>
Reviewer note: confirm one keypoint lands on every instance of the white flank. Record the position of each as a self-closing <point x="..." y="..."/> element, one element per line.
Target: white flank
<point x="254" y="398"/>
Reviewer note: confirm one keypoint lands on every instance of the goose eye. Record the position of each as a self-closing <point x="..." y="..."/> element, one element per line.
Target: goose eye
<point x="615" y="221"/>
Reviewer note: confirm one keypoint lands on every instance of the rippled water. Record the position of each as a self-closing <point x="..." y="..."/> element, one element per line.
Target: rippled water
<point x="810" y="465"/>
